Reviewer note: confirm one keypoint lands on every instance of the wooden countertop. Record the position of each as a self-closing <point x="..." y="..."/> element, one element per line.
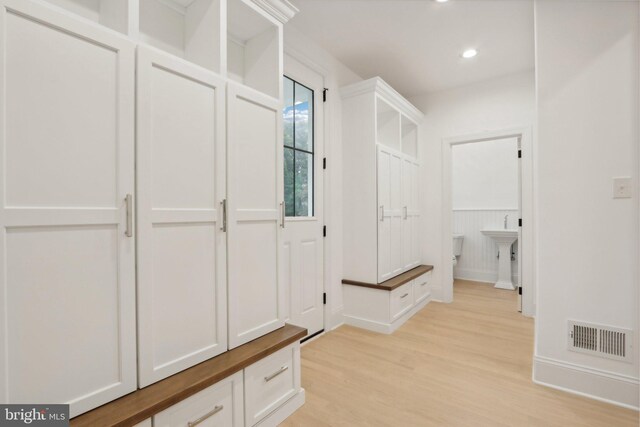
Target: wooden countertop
<point x="144" y="403"/>
<point x="394" y="282"/>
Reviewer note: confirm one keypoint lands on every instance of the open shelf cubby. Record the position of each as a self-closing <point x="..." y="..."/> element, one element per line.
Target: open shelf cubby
<point x="114" y="14"/>
<point x="409" y="137"/>
<point x="186" y="28"/>
<point x="253" y="48"/>
<point x="387" y="124"/>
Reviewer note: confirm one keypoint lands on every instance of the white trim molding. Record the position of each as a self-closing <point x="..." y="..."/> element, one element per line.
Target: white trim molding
<point x="382" y="88"/>
<point x="609" y="387"/>
<point x="282" y="10"/>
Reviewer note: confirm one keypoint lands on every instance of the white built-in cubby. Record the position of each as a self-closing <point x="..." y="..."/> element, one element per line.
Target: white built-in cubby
<point x="409" y="137"/>
<point x="186" y="28"/>
<point x="115" y="14"/>
<point x="382" y="192"/>
<point x="253" y="48"/>
<point x="387" y="124"/>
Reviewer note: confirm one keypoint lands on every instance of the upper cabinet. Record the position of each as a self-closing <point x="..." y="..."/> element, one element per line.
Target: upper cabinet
<point x="118" y="15"/>
<point x="382" y="182"/>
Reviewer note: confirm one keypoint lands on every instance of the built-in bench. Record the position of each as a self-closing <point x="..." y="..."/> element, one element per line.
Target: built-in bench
<point x="383" y="307"/>
<point x="145" y="403"/>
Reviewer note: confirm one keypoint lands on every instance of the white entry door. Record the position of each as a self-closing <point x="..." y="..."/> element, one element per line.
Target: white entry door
<point x="303" y="247"/>
<point x="67" y="272"/>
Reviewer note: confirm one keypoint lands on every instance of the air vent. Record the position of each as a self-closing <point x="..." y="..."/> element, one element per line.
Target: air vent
<point x="599" y="340"/>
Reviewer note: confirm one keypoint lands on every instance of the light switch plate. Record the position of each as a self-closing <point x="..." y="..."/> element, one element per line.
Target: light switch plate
<point x="622" y="187"/>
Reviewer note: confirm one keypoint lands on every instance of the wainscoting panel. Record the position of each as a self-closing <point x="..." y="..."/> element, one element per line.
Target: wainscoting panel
<point x="479" y="259"/>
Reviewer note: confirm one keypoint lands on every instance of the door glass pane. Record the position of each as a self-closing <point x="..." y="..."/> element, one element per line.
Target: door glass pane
<point x="287" y="113"/>
<point x="288" y="182"/>
<point x="303" y="184"/>
<point x="303" y="118"/>
<point x="298" y="122"/>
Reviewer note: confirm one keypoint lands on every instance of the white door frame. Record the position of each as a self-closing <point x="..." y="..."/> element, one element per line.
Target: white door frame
<point x="527" y="246"/>
<point x="326" y="200"/>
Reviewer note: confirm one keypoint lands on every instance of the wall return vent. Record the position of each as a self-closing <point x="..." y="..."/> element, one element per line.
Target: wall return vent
<point x="600" y="340"/>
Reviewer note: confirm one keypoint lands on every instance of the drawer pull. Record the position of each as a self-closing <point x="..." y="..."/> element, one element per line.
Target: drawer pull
<point x="275" y="374"/>
<point x="205" y="416"/>
<point x="404" y="296"/>
<point x="423" y="283"/>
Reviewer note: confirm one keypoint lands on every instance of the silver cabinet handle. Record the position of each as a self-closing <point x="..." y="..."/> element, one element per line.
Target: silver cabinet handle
<point x="382" y="213"/>
<point x="129" y="202"/>
<point x="275" y="374"/>
<point x="205" y="416"/>
<point x="282" y="213"/>
<point x="224" y="215"/>
<point x="406" y="212"/>
<point x="404" y="296"/>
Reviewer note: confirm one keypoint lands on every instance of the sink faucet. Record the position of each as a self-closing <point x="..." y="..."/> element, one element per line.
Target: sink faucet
<point x="505" y="221"/>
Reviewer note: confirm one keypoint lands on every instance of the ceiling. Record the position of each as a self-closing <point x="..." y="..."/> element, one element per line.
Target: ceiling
<point x="415" y="45"/>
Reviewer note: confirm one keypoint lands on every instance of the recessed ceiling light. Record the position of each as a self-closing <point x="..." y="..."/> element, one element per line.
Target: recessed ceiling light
<point x="442" y="1"/>
<point x="469" y="53"/>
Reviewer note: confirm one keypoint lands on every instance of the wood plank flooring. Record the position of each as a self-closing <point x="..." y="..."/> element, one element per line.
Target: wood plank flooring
<point x="461" y="364"/>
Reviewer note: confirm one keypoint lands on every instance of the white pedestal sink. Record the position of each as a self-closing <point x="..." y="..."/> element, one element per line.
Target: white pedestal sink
<point x="504" y="239"/>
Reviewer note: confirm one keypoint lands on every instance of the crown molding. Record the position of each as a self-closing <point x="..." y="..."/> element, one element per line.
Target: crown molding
<point x="282" y="10"/>
<point x="382" y="88"/>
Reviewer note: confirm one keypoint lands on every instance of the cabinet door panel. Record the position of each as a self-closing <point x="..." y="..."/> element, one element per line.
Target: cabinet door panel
<point x="411" y="214"/>
<point x="67" y="274"/>
<point x="181" y="248"/>
<point x="389" y="214"/>
<point x="255" y="214"/>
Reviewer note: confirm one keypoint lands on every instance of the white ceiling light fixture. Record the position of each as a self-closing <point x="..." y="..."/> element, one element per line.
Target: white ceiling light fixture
<point x="441" y="1"/>
<point x="469" y="53"/>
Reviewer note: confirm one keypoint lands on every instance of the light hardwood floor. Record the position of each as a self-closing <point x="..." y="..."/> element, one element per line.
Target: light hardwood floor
<point x="461" y="364"/>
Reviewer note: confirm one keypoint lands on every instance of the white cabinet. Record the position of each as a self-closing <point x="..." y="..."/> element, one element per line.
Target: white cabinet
<point x="256" y="214"/>
<point x="220" y="405"/>
<point x="382" y="187"/>
<point x="182" y="300"/>
<point x="67" y="272"/>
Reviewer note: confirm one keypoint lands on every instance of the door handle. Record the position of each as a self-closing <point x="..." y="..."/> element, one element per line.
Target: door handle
<point x="406" y="213"/>
<point x="382" y="213"/>
<point x="205" y="416"/>
<point x="128" y="200"/>
<point x="282" y="213"/>
<point x="224" y="215"/>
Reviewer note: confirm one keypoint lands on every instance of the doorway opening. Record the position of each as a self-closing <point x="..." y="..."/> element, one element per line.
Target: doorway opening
<point x="488" y="213"/>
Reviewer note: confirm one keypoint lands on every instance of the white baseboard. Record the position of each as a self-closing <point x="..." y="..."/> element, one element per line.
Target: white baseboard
<point x="385" y="328"/>
<point x="337" y="318"/>
<point x="275" y="418"/>
<point x="436" y="293"/>
<point x="596" y="384"/>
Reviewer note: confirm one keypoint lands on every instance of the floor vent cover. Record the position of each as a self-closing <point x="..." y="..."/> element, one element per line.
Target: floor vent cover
<point x="599" y="340"/>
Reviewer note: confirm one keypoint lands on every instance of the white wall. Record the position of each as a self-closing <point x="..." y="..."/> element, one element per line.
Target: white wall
<point x="336" y="75"/>
<point x="485" y="175"/>
<point x="587" y="87"/>
<point x="491" y="105"/>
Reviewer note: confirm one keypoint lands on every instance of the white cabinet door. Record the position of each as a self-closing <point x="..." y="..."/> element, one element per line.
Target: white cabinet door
<point x="389" y="213"/>
<point x="181" y="188"/>
<point x="410" y="214"/>
<point x="256" y="214"/>
<point x="67" y="273"/>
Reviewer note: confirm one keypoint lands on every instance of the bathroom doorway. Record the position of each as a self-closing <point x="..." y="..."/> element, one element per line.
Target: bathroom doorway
<point x="487" y="195"/>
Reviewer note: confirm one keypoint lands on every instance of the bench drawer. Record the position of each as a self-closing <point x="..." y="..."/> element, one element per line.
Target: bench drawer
<point x="401" y="300"/>
<point x="220" y="405"/>
<point x="270" y="382"/>
<point x="422" y="287"/>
